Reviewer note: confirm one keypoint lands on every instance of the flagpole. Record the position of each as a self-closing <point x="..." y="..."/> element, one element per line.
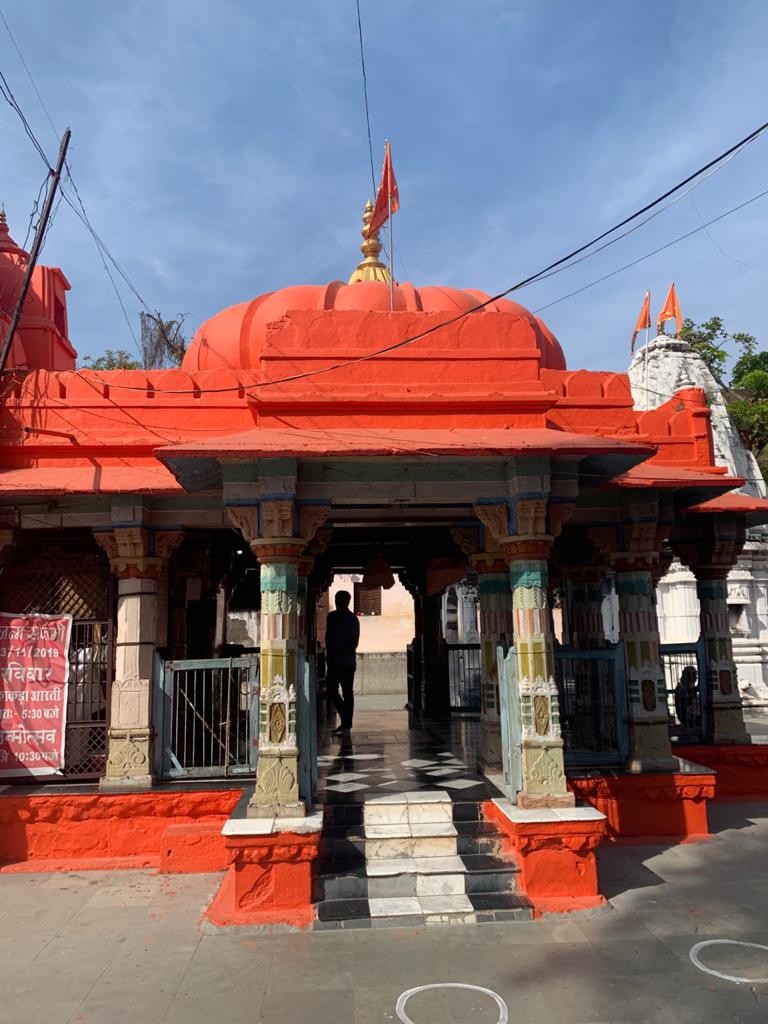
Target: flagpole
<point x="645" y="357"/>
<point x="391" y="250"/>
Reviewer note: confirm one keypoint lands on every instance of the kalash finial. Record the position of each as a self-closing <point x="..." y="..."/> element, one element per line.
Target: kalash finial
<point x="370" y="268"/>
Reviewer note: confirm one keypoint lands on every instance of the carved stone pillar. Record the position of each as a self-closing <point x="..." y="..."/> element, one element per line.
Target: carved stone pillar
<point x="279" y="538"/>
<point x="543" y="772"/>
<point x="635" y="548"/>
<point x="496" y="627"/>
<point x="277" y="774"/>
<point x="711" y="545"/>
<point x="649" y="746"/>
<point x="139" y="559"/>
<point x="585" y="608"/>
<point x="524" y="528"/>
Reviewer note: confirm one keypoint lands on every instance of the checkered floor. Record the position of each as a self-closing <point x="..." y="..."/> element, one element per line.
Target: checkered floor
<point x="383" y="755"/>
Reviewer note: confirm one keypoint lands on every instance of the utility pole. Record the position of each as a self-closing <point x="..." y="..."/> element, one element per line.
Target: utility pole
<point x="39" y="235"/>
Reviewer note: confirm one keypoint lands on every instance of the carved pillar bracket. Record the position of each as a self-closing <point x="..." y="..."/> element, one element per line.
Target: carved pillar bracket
<point x="710" y="546"/>
<point x="139" y="557"/>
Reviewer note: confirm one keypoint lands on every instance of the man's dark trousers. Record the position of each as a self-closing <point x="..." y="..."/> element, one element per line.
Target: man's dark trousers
<point x="343" y="679"/>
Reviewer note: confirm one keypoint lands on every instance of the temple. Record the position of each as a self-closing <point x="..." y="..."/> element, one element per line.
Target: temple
<point x="190" y="521"/>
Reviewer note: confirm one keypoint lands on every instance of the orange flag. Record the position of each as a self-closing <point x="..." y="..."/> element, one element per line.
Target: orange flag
<point x="644" y="320"/>
<point x="670" y="310"/>
<point x="387" y="198"/>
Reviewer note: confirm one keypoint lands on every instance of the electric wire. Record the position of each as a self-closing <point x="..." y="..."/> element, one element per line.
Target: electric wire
<point x="680" y="238"/>
<point x="365" y="94"/>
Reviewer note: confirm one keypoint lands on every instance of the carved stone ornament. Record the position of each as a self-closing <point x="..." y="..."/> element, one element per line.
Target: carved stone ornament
<point x="466" y="541"/>
<point x="320" y="542"/>
<point x="531" y="516"/>
<point x="246" y="519"/>
<point x="648" y="694"/>
<point x="495" y="520"/>
<point x="277" y="518"/>
<point x="559" y="514"/>
<point x="311" y="518"/>
<point x="128" y="753"/>
<point x="166" y="542"/>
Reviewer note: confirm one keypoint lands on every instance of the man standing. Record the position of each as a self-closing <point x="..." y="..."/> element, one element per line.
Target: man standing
<point x="342" y="635"/>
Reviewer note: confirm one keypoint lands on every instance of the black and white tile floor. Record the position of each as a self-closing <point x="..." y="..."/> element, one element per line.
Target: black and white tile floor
<point x="385" y="755"/>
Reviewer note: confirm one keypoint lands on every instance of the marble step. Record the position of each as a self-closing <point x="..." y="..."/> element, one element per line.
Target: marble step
<point x="406" y="839"/>
<point x="352" y="813"/>
<point x="416" y="911"/>
<point x="427" y="876"/>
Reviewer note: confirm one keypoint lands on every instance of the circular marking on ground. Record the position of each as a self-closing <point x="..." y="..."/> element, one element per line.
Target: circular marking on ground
<point x="736" y="978"/>
<point x="403" y="999"/>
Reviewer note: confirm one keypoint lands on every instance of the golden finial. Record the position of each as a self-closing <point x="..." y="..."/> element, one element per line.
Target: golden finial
<point x="370" y="268"/>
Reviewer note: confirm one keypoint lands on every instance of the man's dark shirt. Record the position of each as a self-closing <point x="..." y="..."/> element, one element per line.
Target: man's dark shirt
<point x="342" y="635"/>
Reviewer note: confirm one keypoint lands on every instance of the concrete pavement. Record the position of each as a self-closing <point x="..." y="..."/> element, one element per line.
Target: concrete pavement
<point x="128" y="948"/>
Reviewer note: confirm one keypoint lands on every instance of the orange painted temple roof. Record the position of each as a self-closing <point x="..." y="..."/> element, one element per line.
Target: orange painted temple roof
<point x="289" y="373"/>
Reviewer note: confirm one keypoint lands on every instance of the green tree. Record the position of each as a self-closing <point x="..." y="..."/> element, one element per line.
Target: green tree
<point x="113" y="359"/>
<point x="709" y="340"/>
<point x="746" y="397"/>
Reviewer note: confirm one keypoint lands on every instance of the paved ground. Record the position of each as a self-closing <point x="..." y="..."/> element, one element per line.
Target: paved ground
<point x="108" y="948"/>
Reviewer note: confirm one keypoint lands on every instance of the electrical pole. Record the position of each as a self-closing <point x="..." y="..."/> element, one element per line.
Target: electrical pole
<point x="39" y="235"/>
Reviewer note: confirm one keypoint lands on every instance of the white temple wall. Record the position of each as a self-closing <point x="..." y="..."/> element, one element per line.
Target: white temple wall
<point x="658" y="371"/>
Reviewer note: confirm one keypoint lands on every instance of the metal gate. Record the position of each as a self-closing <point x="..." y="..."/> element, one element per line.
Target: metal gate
<point x="67" y="574"/>
<point x="685" y="674"/>
<point x="511" y="724"/>
<point x="465" y="676"/>
<point x="593" y="704"/>
<point x="210" y="717"/>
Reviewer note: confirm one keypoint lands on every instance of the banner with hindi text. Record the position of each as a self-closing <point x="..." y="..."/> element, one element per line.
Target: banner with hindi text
<point x="34" y="676"/>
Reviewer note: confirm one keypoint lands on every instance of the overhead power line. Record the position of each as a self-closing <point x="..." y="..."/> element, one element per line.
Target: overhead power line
<point x="365" y="94"/>
<point x="680" y="238"/>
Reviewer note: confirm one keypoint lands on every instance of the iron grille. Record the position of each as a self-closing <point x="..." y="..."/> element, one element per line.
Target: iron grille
<point x="684" y="703"/>
<point x="465" y="676"/>
<point x="588" y="712"/>
<point x="210" y="716"/>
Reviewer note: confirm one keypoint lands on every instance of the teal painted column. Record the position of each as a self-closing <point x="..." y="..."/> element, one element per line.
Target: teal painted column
<point x="543" y="769"/>
<point x="277" y="773"/>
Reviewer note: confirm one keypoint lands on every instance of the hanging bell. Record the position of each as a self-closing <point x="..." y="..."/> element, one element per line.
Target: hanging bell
<point x="377" y="573"/>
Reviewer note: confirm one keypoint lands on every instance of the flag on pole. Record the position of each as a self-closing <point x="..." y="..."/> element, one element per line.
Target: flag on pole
<point x="387" y="198"/>
<point x="644" y="320"/>
<point x="670" y="310"/>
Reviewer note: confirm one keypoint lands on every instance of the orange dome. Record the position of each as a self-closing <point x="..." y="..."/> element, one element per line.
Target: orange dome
<point x="233" y="338"/>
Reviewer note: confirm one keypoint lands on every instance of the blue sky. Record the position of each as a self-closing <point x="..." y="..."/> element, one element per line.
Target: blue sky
<point x="221" y="152"/>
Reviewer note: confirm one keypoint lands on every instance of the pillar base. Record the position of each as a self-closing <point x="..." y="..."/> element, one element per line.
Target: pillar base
<point x="649" y="746"/>
<point x="259" y="809"/>
<point x="128" y="759"/>
<point x="636" y="765"/>
<point x="728" y="726"/>
<point x="121" y="782"/>
<point x="277" y="786"/>
<point x="490" y="752"/>
<point x="531" y="800"/>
